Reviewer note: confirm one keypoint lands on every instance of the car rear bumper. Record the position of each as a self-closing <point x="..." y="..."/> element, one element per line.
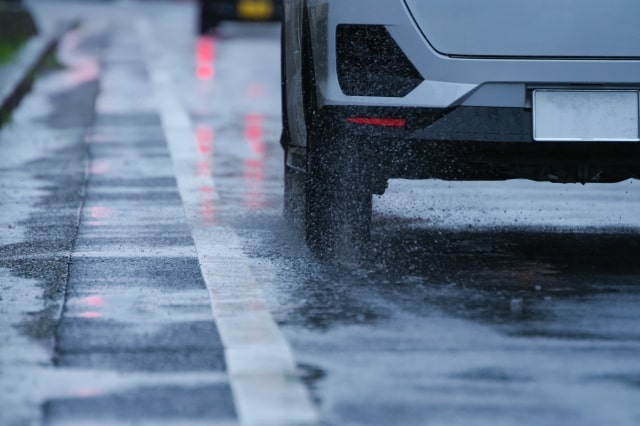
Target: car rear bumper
<point x="475" y="143"/>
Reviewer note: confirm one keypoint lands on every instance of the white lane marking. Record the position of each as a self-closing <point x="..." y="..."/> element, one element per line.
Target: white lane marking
<point x="262" y="371"/>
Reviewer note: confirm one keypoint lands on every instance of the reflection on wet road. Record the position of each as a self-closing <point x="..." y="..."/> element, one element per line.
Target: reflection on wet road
<point x="512" y="304"/>
<point x="470" y="328"/>
<point x="511" y="278"/>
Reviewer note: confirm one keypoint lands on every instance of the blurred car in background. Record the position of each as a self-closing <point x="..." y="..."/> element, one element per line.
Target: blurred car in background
<point x="212" y="12"/>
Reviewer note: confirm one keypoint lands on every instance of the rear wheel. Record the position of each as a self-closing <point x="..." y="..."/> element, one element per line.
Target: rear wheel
<point x="338" y="199"/>
<point x="330" y="201"/>
<point x="293" y="179"/>
<point x="294" y="196"/>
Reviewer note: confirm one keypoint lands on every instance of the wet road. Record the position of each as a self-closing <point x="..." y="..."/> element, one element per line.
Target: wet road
<point x="148" y="276"/>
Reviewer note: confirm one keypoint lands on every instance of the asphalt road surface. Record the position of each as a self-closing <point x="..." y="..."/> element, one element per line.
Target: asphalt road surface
<point x="147" y="276"/>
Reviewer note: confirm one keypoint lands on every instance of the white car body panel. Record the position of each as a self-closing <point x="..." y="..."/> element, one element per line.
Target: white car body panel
<point x="449" y="81"/>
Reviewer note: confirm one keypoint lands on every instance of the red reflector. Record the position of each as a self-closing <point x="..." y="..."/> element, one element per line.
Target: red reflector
<point x="382" y="122"/>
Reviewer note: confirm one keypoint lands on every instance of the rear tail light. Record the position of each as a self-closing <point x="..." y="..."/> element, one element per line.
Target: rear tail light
<point x="379" y="122"/>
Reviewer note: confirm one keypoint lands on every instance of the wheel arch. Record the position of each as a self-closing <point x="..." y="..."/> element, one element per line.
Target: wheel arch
<point x="300" y="93"/>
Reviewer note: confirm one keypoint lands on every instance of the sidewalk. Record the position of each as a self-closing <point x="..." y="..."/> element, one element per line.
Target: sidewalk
<point x="16" y="77"/>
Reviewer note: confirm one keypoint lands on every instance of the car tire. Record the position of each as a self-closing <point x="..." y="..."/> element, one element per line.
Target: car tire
<point x="338" y="199"/>
<point x="331" y="202"/>
<point x="294" y="196"/>
<point x="293" y="179"/>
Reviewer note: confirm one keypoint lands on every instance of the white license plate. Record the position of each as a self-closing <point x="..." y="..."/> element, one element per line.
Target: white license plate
<point x="586" y="115"/>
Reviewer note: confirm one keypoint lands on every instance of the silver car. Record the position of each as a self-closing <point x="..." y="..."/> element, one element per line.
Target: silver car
<point x="451" y="89"/>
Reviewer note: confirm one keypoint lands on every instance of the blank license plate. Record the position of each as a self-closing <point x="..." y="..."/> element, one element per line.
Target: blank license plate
<point x="588" y="115"/>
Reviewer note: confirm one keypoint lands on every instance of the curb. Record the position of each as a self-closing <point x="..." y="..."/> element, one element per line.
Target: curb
<point x="18" y="76"/>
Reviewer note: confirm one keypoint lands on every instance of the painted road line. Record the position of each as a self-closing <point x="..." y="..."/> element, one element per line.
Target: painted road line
<point x="266" y="388"/>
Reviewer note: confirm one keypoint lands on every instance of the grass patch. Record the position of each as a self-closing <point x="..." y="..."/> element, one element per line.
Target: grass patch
<point x="9" y="48"/>
<point x="16" y="27"/>
<point x="5" y="118"/>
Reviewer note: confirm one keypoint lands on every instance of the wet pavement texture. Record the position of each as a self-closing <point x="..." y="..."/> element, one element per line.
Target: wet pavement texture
<point x="475" y="304"/>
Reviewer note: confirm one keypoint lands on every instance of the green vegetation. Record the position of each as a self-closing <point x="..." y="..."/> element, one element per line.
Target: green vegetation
<point x="8" y="48"/>
<point x="16" y="27"/>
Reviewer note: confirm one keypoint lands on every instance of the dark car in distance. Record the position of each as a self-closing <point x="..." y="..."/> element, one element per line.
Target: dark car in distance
<point x="212" y="12"/>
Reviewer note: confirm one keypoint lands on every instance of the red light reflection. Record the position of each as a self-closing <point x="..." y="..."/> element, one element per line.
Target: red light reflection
<point x="100" y="212"/>
<point x="204" y="139"/>
<point x="99" y="167"/>
<point x="205" y="58"/>
<point x="80" y="68"/>
<point x="98" y="215"/>
<point x="207" y="206"/>
<point x="256" y="90"/>
<point x="90" y="315"/>
<point x="93" y="301"/>
<point x="204" y="168"/>
<point x="254" y="134"/>
<point x="253" y="171"/>
<point x="88" y="392"/>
